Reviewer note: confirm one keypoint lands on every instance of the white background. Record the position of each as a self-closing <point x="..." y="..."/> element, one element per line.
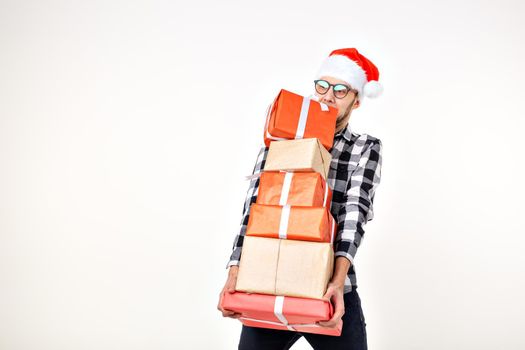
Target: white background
<point x="126" y="128"/>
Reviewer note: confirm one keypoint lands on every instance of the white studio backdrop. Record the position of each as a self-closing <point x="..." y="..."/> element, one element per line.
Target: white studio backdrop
<point x="126" y="128"/>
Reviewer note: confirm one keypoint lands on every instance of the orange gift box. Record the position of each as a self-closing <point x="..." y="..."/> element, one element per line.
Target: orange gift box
<point x="297" y="189"/>
<point x="292" y="116"/>
<point x="278" y="312"/>
<point x="314" y="224"/>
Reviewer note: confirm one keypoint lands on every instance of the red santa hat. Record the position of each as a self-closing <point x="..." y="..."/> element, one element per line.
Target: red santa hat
<point x="355" y="69"/>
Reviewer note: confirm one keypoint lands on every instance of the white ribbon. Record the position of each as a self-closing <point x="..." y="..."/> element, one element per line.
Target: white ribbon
<point x="303" y="117"/>
<point x="324" y="107"/>
<point x="256" y="175"/>
<point x="285" y="191"/>
<point x="325" y="193"/>
<point x="283" y="224"/>
<point x="291" y="326"/>
<point x="333" y="229"/>
<point x="253" y="176"/>
<point x="278" y="311"/>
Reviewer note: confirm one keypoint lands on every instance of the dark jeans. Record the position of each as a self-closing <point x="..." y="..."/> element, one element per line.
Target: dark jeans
<point x="353" y="336"/>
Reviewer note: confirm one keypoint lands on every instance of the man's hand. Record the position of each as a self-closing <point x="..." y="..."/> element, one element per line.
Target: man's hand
<point x="334" y="293"/>
<point x="229" y="287"/>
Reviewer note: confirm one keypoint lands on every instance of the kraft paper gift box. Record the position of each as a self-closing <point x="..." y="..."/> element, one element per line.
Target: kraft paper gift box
<point x="280" y="312"/>
<point x="305" y="155"/>
<point x="314" y="224"/>
<point x="292" y="116"/>
<point x="285" y="267"/>
<point x="297" y="189"/>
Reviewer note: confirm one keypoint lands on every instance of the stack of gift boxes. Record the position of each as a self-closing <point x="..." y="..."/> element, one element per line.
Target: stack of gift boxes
<point x="287" y="256"/>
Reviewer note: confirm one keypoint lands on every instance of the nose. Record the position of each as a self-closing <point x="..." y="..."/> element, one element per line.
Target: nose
<point x="329" y="97"/>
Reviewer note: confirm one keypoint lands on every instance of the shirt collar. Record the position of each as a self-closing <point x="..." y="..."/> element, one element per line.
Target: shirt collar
<point x="346" y="132"/>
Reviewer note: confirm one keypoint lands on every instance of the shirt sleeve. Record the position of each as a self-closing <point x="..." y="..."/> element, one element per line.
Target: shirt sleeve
<point x="251" y="197"/>
<point x="358" y="207"/>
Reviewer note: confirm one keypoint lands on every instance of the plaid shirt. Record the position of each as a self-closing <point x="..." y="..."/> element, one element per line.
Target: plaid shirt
<point x="354" y="175"/>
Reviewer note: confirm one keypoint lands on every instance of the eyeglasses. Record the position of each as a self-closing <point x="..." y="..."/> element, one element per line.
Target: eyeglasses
<point x="340" y="90"/>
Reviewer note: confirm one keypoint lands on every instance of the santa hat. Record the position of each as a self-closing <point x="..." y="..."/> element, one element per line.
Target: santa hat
<point x="355" y="69"/>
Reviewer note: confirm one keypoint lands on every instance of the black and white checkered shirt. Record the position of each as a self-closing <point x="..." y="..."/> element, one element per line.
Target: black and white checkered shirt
<point x="355" y="173"/>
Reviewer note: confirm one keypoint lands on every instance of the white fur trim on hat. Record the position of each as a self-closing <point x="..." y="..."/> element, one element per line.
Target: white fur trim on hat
<point x="341" y="67"/>
<point x="373" y="89"/>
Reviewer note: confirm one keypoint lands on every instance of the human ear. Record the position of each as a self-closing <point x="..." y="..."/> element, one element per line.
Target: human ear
<point x="356" y="104"/>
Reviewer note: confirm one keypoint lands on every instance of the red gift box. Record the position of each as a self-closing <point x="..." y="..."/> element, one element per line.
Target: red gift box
<point x="294" y="188"/>
<point x="314" y="224"/>
<point x="292" y="116"/>
<point x="279" y="312"/>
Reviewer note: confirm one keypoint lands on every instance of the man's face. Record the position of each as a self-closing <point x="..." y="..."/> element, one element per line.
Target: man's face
<point x="344" y="105"/>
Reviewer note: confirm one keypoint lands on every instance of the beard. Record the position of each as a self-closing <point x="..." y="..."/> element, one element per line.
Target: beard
<point x="340" y="121"/>
<point x="343" y="118"/>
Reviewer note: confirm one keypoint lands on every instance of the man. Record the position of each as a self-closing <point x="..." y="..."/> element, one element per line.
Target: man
<point x="344" y="78"/>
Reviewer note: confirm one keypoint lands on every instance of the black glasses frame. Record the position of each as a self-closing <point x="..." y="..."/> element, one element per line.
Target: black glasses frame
<point x="348" y="88"/>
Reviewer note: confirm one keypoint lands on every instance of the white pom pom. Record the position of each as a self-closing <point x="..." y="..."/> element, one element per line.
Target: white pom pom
<point x="373" y="89"/>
